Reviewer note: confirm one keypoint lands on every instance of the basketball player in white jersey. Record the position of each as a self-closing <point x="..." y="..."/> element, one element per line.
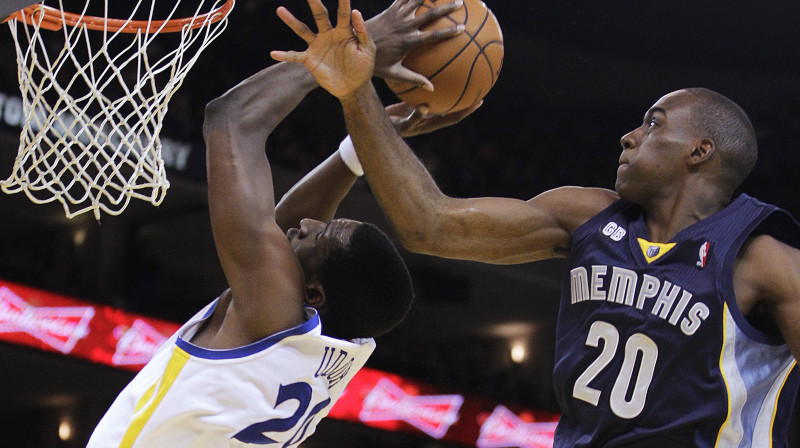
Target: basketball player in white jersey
<point x="266" y="361"/>
<point x="679" y="322"/>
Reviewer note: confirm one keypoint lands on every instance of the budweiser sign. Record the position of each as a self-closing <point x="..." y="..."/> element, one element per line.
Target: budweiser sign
<point x="58" y="327"/>
<point x="137" y="344"/>
<point x="504" y="429"/>
<point x="431" y="414"/>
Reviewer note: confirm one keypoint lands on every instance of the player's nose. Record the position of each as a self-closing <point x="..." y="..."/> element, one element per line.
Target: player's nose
<point x="307" y="226"/>
<point x="629" y="140"/>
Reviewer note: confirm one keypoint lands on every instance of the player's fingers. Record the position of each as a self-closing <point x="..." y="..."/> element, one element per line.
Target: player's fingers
<point x="418" y="114"/>
<point x="401" y="73"/>
<point x="320" y="14"/>
<point x="359" y="27"/>
<point x="455" y="117"/>
<point x="343" y="14"/>
<point x="473" y="108"/>
<point x="297" y="26"/>
<point x="435" y="13"/>
<point x="288" y="56"/>
<point x="427" y="37"/>
<point x="399" y="110"/>
<point x="406" y="7"/>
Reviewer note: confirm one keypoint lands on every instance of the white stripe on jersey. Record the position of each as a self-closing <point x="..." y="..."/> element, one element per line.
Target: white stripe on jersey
<point x="754" y="375"/>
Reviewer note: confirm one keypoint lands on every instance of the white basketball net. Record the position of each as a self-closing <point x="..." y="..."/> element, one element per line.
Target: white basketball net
<point x="94" y="108"/>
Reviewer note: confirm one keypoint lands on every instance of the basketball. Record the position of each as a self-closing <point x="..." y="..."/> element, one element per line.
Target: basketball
<point x="463" y="68"/>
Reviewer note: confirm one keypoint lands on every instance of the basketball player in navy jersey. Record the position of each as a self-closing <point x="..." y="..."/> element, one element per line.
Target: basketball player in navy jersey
<point x="679" y="323"/>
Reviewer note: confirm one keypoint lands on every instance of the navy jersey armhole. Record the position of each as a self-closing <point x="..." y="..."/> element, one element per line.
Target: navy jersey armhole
<point x="778" y="224"/>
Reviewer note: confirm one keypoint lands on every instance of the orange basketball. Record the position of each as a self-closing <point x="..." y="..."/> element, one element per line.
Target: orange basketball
<point x="463" y="68"/>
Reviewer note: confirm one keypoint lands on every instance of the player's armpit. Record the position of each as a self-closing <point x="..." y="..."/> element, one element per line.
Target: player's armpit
<point x="267" y="289"/>
<point x="769" y="270"/>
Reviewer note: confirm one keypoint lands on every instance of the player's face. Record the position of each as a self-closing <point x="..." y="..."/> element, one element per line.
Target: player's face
<point x="653" y="160"/>
<point x="314" y="239"/>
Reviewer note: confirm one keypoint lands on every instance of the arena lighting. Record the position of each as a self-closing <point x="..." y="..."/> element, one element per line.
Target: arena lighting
<point x="64" y="430"/>
<point x="105" y="335"/>
<point x="518" y="352"/>
<point x="79" y="236"/>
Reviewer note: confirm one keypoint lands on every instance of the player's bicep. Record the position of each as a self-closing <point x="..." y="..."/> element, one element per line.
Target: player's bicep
<point x="774" y="272"/>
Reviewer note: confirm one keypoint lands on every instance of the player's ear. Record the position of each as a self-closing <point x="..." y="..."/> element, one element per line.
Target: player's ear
<point x="702" y="150"/>
<point x="315" y="295"/>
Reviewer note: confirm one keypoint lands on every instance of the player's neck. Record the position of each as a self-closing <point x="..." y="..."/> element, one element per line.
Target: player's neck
<point x="667" y="216"/>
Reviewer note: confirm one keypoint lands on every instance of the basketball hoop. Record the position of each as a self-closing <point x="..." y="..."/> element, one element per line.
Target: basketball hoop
<point x="95" y="95"/>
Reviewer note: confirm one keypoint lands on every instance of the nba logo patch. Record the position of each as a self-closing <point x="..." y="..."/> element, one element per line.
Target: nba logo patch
<point x="652" y="251"/>
<point x="703" y="254"/>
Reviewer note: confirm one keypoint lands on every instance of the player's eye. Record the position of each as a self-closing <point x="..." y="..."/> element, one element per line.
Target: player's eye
<point x="652" y="123"/>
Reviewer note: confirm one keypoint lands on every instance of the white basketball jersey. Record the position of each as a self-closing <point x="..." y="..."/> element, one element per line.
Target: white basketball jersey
<point x="274" y="391"/>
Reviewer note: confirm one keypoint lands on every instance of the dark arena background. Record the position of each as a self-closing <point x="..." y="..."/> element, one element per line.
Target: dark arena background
<point x="479" y="342"/>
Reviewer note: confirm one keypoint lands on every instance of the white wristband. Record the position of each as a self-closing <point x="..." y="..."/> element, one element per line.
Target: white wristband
<point x="348" y="154"/>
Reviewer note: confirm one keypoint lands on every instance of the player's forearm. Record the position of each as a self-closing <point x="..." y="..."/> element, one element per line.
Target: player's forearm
<point x="405" y="190"/>
<point x="253" y="108"/>
<point x="317" y="195"/>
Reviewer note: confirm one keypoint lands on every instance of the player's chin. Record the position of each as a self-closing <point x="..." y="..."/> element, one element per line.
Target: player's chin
<point x="621" y="187"/>
<point x="622" y="178"/>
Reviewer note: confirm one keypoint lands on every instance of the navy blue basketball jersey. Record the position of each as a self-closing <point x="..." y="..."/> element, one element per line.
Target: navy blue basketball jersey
<point x="651" y="348"/>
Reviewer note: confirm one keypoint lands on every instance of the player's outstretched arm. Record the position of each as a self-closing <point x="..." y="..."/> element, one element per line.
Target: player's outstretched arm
<point x="318" y="194"/>
<point x="265" y="279"/>
<point x="493" y="230"/>
<point x="395" y="32"/>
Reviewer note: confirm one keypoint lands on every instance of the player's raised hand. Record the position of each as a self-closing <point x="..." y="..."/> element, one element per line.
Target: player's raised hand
<point x="410" y="121"/>
<point x="341" y="58"/>
<point x="396" y="32"/>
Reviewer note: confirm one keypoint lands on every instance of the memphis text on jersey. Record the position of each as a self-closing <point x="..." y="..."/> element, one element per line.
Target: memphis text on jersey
<point x="626" y="287"/>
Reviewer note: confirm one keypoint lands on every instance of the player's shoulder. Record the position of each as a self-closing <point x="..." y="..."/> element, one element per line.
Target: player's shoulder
<point x="763" y="250"/>
<point x="573" y="206"/>
<point x="767" y="268"/>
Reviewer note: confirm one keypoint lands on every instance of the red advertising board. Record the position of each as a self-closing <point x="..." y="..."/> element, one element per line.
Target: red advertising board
<point x="106" y="335"/>
<point x="102" y="334"/>
<point x="394" y="403"/>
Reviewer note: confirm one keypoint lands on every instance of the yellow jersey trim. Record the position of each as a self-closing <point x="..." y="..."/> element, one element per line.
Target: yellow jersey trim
<point x="722" y="371"/>
<point x="777" y="399"/>
<point x="647" y="246"/>
<point x="152" y="398"/>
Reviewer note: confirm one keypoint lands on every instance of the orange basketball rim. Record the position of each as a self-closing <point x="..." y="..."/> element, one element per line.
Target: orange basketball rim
<point x="54" y="19"/>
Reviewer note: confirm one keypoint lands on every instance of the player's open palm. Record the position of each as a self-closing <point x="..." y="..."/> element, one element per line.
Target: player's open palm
<point x="341" y="58"/>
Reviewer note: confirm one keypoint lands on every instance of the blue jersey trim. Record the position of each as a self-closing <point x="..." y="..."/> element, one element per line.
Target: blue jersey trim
<point x="250" y="349"/>
<point x="211" y="309"/>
